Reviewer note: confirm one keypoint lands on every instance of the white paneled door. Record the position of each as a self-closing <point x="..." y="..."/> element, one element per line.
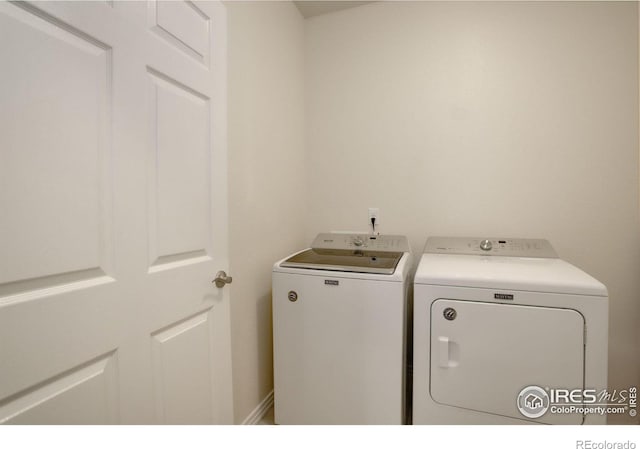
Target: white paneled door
<point x="113" y="213"/>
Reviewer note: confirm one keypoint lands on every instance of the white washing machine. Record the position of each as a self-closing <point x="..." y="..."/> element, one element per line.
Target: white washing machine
<point x="493" y="318"/>
<point x="339" y="331"/>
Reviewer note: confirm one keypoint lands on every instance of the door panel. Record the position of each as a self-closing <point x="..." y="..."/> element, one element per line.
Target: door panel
<point x="182" y="368"/>
<point x="69" y="398"/>
<point x="114" y="184"/>
<point x="54" y="157"/>
<point x="483" y="357"/>
<point x="184" y="25"/>
<point x="179" y="188"/>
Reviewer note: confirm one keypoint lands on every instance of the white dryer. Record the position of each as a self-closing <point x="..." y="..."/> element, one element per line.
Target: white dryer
<point x="503" y="328"/>
<point x="339" y="331"/>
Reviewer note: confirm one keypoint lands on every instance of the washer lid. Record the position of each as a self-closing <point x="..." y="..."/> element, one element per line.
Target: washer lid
<point x="356" y="261"/>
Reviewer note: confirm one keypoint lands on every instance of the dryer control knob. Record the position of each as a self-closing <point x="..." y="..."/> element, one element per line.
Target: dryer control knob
<point x="358" y="242"/>
<point x="485" y="245"/>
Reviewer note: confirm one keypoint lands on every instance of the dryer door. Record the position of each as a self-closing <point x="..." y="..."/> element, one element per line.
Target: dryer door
<point x="484" y="354"/>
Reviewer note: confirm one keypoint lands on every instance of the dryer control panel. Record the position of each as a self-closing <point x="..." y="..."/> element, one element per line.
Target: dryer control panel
<point x="370" y="242"/>
<point x="490" y="247"/>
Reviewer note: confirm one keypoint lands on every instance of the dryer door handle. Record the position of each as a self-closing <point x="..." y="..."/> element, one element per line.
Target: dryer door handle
<point x="448" y="353"/>
<point x="443" y="352"/>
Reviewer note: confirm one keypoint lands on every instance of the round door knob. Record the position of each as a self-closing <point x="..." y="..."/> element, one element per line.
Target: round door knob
<point x="222" y="279"/>
<point x="486" y="245"/>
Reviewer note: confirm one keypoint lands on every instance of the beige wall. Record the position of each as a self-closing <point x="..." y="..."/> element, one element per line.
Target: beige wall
<point x="266" y="178"/>
<point x="485" y="119"/>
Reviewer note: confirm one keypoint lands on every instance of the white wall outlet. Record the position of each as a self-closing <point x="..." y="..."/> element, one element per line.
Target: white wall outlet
<point x="374" y="212"/>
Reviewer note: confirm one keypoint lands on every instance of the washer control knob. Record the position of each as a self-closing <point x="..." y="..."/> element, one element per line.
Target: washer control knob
<point x="358" y="241"/>
<point x="485" y="245"/>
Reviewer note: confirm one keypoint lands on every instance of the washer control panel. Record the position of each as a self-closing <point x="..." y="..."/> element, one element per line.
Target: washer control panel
<point x="370" y="242"/>
<point x="490" y="247"/>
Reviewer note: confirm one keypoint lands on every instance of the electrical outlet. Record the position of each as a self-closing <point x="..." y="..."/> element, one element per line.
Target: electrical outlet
<point x="374" y="212"/>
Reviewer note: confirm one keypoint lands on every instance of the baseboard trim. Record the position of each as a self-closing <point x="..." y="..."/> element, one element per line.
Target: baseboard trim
<point x="261" y="409"/>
